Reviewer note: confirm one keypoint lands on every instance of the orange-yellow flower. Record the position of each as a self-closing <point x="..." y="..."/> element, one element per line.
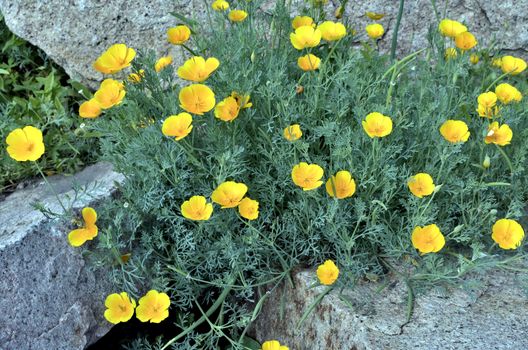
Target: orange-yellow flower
<point x="377" y="125"/>
<point x="497" y="62"/>
<point x="198" y="69"/>
<point x="341" y="185"/>
<point x="229" y="194"/>
<point x="25" y="144"/>
<point x="273" y="345"/>
<point x="421" y="185"/>
<point x="237" y="15"/>
<point x="90" y="109"/>
<point x="465" y="41"/>
<point x="110" y="93"/>
<point x="487" y="99"/>
<point x="499" y="135"/>
<point x="487" y="112"/>
<point x="116" y="58"/>
<point x="88" y="232"/>
<point x="304" y="37"/>
<point x="220" y="5"/>
<point x="119" y="308"/>
<point x="162" y="63"/>
<point x="327" y="273"/>
<point x="331" y="31"/>
<point x="227" y="109"/>
<point x="307" y="176"/>
<point x="153" y="307"/>
<point x="177" y="126"/>
<point x="300" y="21"/>
<point x="178" y="35"/>
<point x="243" y="101"/>
<point x="196" y="208"/>
<point x="507" y="93"/>
<point x="512" y="65"/>
<point x="292" y="132"/>
<point x="197" y="99"/>
<point x="308" y="62"/>
<point x="427" y="239"/>
<point x="455" y="131"/>
<point x="375" y="30"/>
<point x="450" y="52"/>
<point x="249" y="208"/>
<point x="135" y="78"/>
<point x="451" y="28"/>
<point x="507" y="233"/>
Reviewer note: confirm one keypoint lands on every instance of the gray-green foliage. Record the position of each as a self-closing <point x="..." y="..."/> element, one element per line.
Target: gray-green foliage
<point x="195" y="261"/>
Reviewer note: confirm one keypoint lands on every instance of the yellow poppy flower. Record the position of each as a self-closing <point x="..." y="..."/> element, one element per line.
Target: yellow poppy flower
<point x="111" y="93"/>
<point x="512" y="65"/>
<point x="507" y="233"/>
<point x="198" y="69"/>
<point x="308" y="62"/>
<point x="237" y="15"/>
<point x="220" y="5"/>
<point x="465" y="41"/>
<point x="25" y="144"/>
<point x="450" y="52"/>
<point x="455" y="131"/>
<point x="377" y="125"/>
<point x="243" y="101"/>
<point x="162" y="63"/>
<point x="229" y="194"/>
<point x="177" y="126"/>
<point x="90" y="109"/>
<point x="499" y="135"/>
<point x="292" y="132"/>
<point x="427" y="239"/>
<point x="375" y="30"/>
<point x="307" y="176"/>
<point x="178" y="35"/>
<point x="474" y="58"/>
<point x="304" y="37"/>
<point x="487" y="99"/>
<point x="273" y="345"/>
<point x="119" y="308"/>
<point x="374" y="16"/>
<point x="497" y="62"/>
<point x="197" y="99"/>
<point x="421" y="185"/>
<point x="227" y="109"/>
<point x="507" y="93"/>
<point x="487" y="112"/>
<point x="249" y="208"/>
<point x="116" y="58"/>
<point x="341" y="185"/>
<point x="153" y="307"/>
<point x="86" y="233"/>
<point x="300" y="21"/>
<point x="451" y="28"/>
<point x="327" y="273"/>
<point x="331" y="31"/>
<point x="196" y="208"/>
<point x="135" y="78"/>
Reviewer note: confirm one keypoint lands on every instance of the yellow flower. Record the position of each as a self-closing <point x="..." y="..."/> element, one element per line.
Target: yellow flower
<point x="304" y="37"/>
<point x="110" y="93"/>
<point x="308" y="62"/>
<point x="507" y="233"/>
<point x="237" y="15"/>
<point x="300" y="21"/>
<point x="421" y="185"/>
<point x="162" y="63"/>
<point x="327" y="273"/>
<point x="465" y="41"/>
<point x="513" y="65"/>
<point x="455" y="131"/>
<point x="341" y="185"/>
<point x="177" y="126"/>
<point x="220" y="5"/>
<point x="135" y="78"/>
<point x="451" y="28"/>
<point x="487" y="112"/>
<point x="90" y="109"/>
<point x="427" y="239"/>
<point x="331" y="31"/>
<point x="497" y="62"/>
<point x="197" y="99"/>
<point x="25" y="144"/>
<point x="196" y="208"/>
<point x="198" y="69"/>
<point x="474" y="58"/>
<point x="374" y="16"/>
<point x="375" y="30"/>
<point x="377" y="125"/>
<point x="86" y="233"/>
<point x="248" y="208"/>
<point x="227" y="109"/>
<point x="178" y="35"/>
<point x="292" y="132"/>
<point x="242" y="100"/>
<point x="116" y="58"/>
<point x="507" y="93"/>
<point x="450" y="52"/>
<point x="307" y="176"/>
<point x="499" y="135"/>
<point x="273" y="345"/>
<point x="119" y="308"/>
<point x="229" y="194"/>
<point x="487" y="99"/>
<point x="153" y="307"/>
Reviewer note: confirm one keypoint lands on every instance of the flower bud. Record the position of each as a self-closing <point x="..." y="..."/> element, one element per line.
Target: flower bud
<point x="487" y="162"/>
<point x="339" y="12"/>
<point x="252" y="57"/>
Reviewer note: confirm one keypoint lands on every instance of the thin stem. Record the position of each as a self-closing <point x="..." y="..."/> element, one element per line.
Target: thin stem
<point x="396" y="29"/>
<point x="497" y="80"/>
<point x="51" y="187"/>
<point x="508" y="161"/>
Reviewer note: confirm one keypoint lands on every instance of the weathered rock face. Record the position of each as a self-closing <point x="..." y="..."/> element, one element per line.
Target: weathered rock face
<point x="74" y="33"/>
<point x="50" y="300"/>
<point x="492" y="317"/>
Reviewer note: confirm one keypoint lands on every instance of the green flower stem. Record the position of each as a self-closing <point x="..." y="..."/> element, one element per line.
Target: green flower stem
<point x="497" y="80"/>
<point x="51" y="187"/>
<point x="188" y="152"/>
<point x="189" y="49"/>
<point x="396" y="29"/>
<point x="506" y="158"/>
<point x="313" y="305"/>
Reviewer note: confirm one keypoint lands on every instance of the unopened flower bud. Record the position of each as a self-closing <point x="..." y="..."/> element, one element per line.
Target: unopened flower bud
<point x="487" y="162"/>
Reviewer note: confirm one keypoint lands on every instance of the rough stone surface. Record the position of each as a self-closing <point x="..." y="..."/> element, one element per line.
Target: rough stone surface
<point x="75" y="32"/>
<point x="492" y="316"/>
<point x="50" y="300"/>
